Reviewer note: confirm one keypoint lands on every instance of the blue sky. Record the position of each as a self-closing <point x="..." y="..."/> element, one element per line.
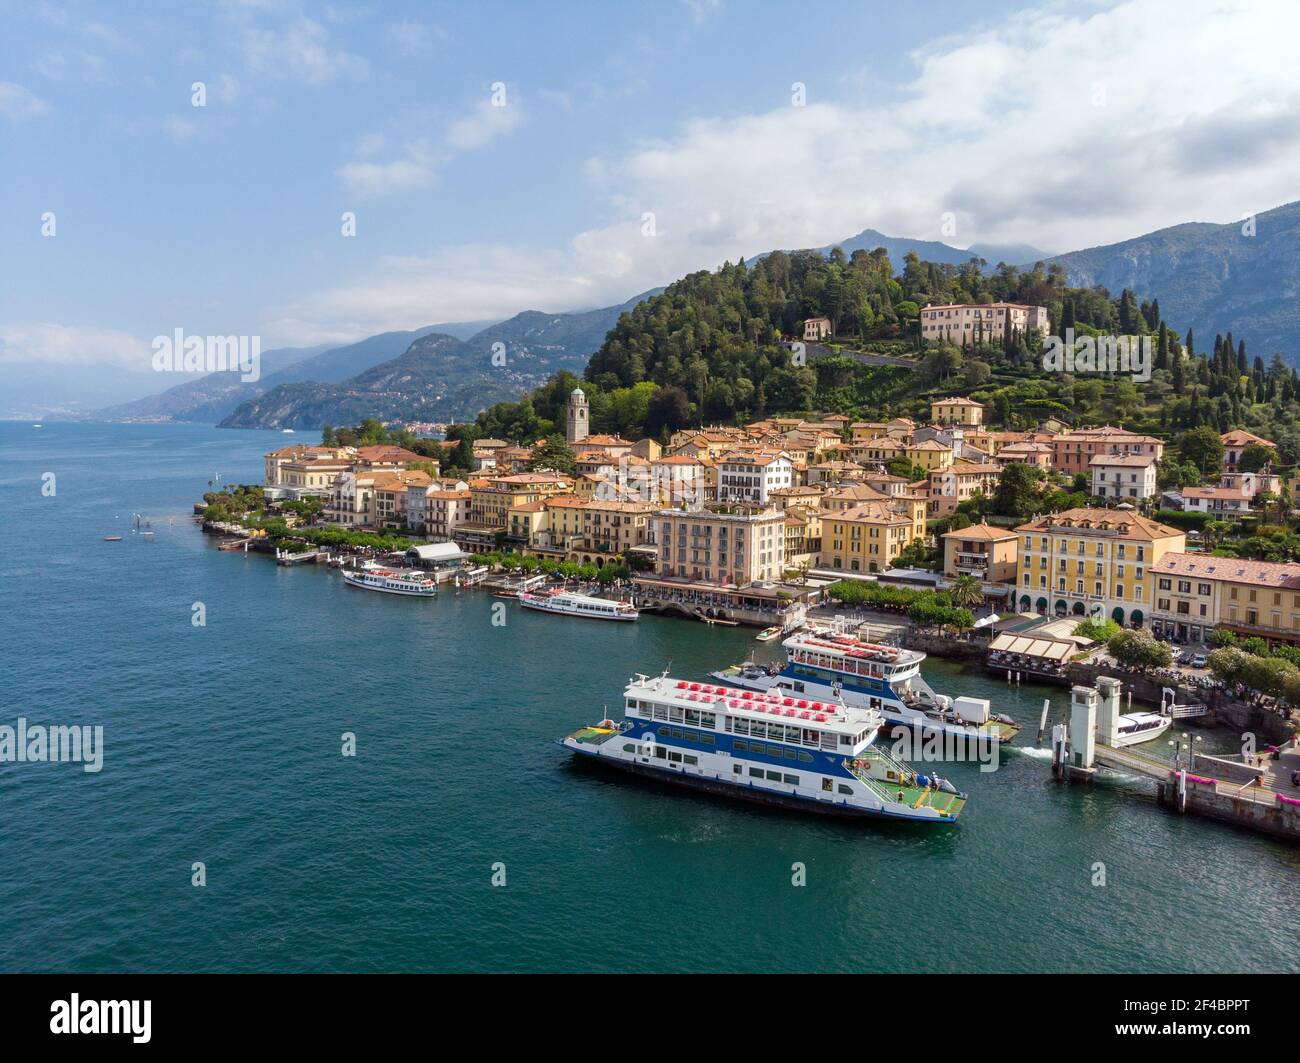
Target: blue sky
<point x="226" y="218"/>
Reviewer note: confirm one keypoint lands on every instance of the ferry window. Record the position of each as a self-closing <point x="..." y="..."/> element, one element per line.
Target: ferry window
<point x="846" y="740"/>
<point x="661" y="713"/>
<point x="740" y="745"/>
<point x="676" y="758"/>
<point x="798" y="686"/>
<point x="691" y="760"/>
<point x="664" y="731"/>
<point x="809" y="737"/>
<point x="791" y="754"/>
<point x="828" y="741"/>
<point x="806" y="757"/>
<point x="675" y="714"/>
<point x="628" y="747"/>
<point x="756" y="773"/>
<point x="730" y="725"/>
<point x="661" y="752"/>
<point x="631" y="704"/>
<point x="707" y="740"/>
<point x="826" y="785"/>
<point x="773" y="751"/>
<point x="758" y="728"/>
<point x="678" y="733"/>
<point x="693" y="716"/>
<point x="707" y="719"/>
<point x="845" y="789"/>
<point x="774" y="776"/>
<point x="793" y="780"/>
<point x="740" y="727"/>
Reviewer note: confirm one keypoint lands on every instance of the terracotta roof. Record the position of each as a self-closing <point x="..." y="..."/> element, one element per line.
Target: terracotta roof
<point x="981" y="531"/>
<point x="1134" y="461"/>
<point x="1239" y="437"/>
<point x="959" y="400"/>
<point x="1086" y="520"/>
<point x="1280" y="574"/>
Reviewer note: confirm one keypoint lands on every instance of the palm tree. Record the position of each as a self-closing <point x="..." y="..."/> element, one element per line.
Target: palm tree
<point x="966" y="591"/>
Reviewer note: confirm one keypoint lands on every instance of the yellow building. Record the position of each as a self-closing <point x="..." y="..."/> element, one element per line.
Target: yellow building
<point x="866" y="538"/>
<point x="959" y="410"/>
<point x="988" y="554"/>
<point x="1092" y="562"/>
<point x="1195" y="593"/>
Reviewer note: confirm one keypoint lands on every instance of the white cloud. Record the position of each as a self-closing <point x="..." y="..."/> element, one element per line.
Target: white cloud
<point x="483" y="125"/>
<point x="300" y="51"/>
<point x="18" y="102"/>
<point x="413" y="169"/>
<point x="50" y="344"/>
<point x="416" y="165"/>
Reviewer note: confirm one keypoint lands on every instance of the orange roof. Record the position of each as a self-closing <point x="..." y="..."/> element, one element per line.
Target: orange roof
<point x="1280" y="574"/>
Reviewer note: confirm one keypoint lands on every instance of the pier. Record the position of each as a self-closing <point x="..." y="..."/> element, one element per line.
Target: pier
<point x="1253" y="791"/>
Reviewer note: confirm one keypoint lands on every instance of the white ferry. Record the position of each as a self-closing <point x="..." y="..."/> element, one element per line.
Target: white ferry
<point x="796" y="753"/>
<point x="571" y="604"/>
<point x="390" y="581"/>
<point x="1137" y="727"/>
<point x="829" y="663"/>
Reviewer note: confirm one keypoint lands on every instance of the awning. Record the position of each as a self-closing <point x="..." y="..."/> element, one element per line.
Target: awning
<point x="1045" y="649"/>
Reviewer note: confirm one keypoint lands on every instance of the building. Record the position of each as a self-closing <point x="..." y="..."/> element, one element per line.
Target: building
<point x="986" y="553"/>
<point x="577" y="418"/>
<point x="816" y="328"/>
<point x="959" y="410"/>
<point x="948" y="488"/>
<point x="864" y="538"/>
<point x="971" y="323"/>
<point x="1072" y="452"/>
<point x="445" y="511"/>
<point x="1126" y="476"/>
<point x="1219" y="500"/>
<point x="613" y="528"/>
<point x="1195" y="593"/>
<point x="752" y="477"/>
<point x="302" y="456"/>
<point x="1092" y="562"/>
<point x="1236" y="441"/>
<point x="1039" y="455"/>
<point x="732" y="545"/>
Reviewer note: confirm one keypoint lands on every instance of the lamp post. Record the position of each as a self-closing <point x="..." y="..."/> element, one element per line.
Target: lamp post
<point x="1181" y="744"/>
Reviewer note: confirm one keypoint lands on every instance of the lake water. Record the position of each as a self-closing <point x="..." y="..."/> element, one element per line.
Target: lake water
<point x="222" y="745"/>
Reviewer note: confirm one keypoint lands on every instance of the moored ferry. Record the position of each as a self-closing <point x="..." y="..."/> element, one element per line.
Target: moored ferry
<point x="792" y="752"/>
<point x="828" y="662"/>
<point x="1137" y="727"/>
<point x="570" y="604"/>
<point x="391" y="581"/>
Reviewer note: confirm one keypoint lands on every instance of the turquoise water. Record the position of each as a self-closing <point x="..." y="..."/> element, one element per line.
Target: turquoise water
<point x="222" y="745"/>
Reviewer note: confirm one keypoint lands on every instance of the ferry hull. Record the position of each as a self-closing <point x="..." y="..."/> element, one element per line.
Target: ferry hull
<point x="624" y="617"/>
<point x="353" y="582"/>
<point x="752" y="794"/>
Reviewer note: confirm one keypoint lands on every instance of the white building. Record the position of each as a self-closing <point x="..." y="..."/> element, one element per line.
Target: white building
<point x="1123" y="476"/>
<point x="754" y="476"/>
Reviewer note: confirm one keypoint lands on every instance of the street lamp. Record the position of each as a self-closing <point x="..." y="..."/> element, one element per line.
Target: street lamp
<point x="1181" y="744"/>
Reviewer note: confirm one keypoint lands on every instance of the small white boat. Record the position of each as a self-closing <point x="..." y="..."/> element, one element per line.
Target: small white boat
<point x="768" y="634"/>
<point x="1137" y="727"/>
<point x="287" y="431"/>
<point x="390" y="581"/>
<point x="571" y="604"/>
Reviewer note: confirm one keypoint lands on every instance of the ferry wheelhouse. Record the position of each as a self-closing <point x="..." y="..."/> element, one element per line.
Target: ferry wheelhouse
<point x="830" y="662"/>
<point x="793" y="752"/>
<point x="391" y="581"/>
<point x="571" y="604"/>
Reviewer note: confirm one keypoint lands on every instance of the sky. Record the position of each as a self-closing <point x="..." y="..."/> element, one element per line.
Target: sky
<point x="502" y="156"/>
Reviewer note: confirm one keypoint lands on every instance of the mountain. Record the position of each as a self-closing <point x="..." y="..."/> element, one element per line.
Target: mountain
<point x="206" y="398"/>
<point x="213" y="397"/>
<point x="930" y="250"/>
<point x="1211" y="278"/>
<point x="440" y="377"/>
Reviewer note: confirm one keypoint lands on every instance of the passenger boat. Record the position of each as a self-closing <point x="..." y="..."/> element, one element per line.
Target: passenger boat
<point x="571" y="604"/>
<point x="827" y="662"/>
<point x="791" y="752"/>
<point x="768" y="634"/>
<point x="1137" y="727"/>
<point x="390" y="581"/>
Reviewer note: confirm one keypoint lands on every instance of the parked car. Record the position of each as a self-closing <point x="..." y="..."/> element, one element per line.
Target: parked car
<point x="1199" y="661"/>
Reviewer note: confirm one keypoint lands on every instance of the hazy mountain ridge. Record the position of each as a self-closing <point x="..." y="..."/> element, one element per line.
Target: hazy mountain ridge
<point x="439" y="377"/>
<point x="1211" y="278"/>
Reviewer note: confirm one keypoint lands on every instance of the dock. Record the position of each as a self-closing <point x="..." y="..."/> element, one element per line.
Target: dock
<point x="1254" y="791"/>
